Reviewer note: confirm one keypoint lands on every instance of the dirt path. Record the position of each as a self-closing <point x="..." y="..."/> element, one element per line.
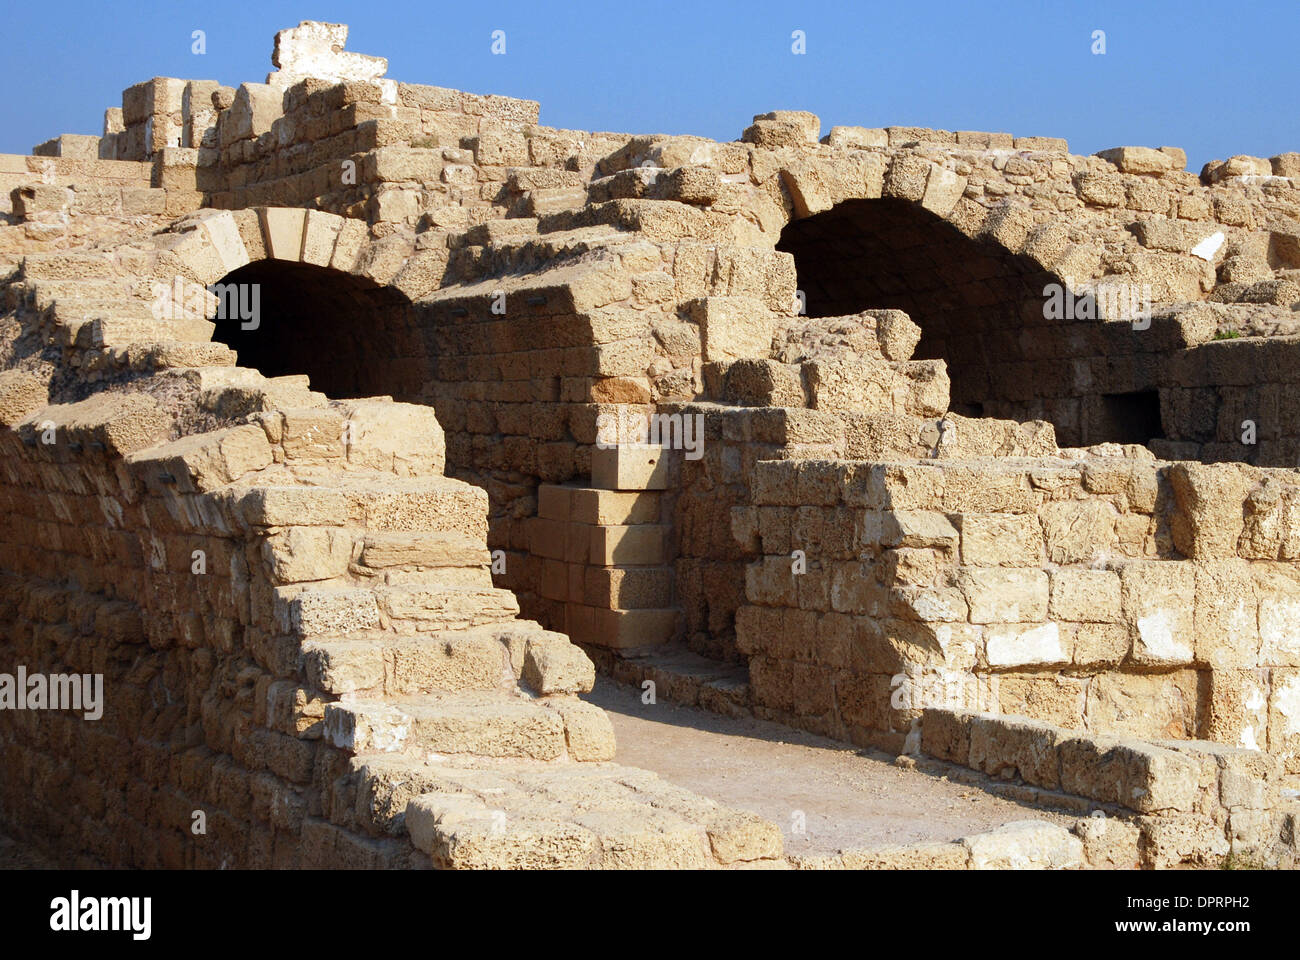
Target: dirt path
<point x="849" y="798"/>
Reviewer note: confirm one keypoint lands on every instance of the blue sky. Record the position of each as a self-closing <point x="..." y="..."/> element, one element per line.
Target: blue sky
<point x="1214" y="78"/>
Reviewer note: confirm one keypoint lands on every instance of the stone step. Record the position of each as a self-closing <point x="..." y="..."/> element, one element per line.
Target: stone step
<point x="620" y="629"/>
<point x="120" y="331"/>
<point x="595" y="505"/>
<point x="538" y="203"/>
<point x="482" y="723"/>
<point x="68" y="309"/>
<point x="527" y="815"/>
<point x="441" y="606"/>
<point x="68" y="266"/>
<point x="78" y="307"/>
<point x="372" y="663"/>
<point x="390" y="665"/>
<point x="176" y="354"/>
<point x="45" y="292"/>
<point x="623" y="587"/>
<point x="387" y="504"/>
<point x="418" y="550"/>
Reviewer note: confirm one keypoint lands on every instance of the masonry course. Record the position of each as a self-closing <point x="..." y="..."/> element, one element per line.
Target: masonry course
<point x="348" y="572"/>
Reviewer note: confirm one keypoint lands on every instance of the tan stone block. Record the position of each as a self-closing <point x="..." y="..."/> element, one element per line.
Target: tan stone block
<point x="1284" y="718"/>
<point x="623" y="629"/>
<point x="593" y="505"/>
<point x="1153" y="706"/>
<point x="577" y="542"/>
<point x="1001" y="540"/>
<point x="1238" y="709"/>
<point x="1104" y="644"/>
<point x="313" y="434"/>
<point x="1005" y="595"/>
<point x="627" y="587"/>
<point x="1159" y="599"/>
<point x="1088" y="596"/>
<point x="733" y="328"/>
<point x="1078" y="531"/>
<point x="640" y="544"/>
<point x="1025" y="845"/>
<point x="554" y="665"/>
<point x="308" y="553"/>
<point x="547" y="538"/>
<point x="588" y="733"/>
<point x="740" y="837"/>
<point x="283" y="229"/>
<point x="1108" y="842"/>
<point x="553" y="502"/>
<point x="555" y="580"/>
<point x="1140" y="160"/>
<point x="1226" y="615"/>
<point x="626" y="466"/>
<point x="1023" y="644"/>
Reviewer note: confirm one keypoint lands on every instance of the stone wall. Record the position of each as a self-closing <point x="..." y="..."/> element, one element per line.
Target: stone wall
<point x="1113" y="595"/>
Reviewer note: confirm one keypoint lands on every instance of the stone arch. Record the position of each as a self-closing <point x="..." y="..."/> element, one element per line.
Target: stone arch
<point x="976" y="279"/>
<point x="976" y="302"/>
<point x="302" y="292"/>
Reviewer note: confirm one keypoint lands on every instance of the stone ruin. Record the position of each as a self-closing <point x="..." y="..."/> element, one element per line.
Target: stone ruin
<point x="995" y="465"/>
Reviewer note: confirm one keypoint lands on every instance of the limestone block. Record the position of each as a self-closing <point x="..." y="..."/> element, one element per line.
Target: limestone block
<point x="329" y="612"/>
<point x="1014" y="645"/>
<point x="554" y="665"/>
<point x="740" y="837"/>
<point x="283" y="227"/>
<point x="1078" y="531"/>
<point x="1140" y="160"/>
<point x="588" y="733"/>
<point x="1156" y="706"/>
<point x="1001" y="540"/>
<point x="207" y="461"/>
<point x="601" y="506"/>
<point x="1015" y="747"/>
<point x="1108" y="842"/>
<point x="21" y="393"/>
<point x="630" y="466"/>
<point x="404" y="438"/>
<point x="639" y="544"/>
<point x="300" y="554"/>
<point x="999" y="595"/>
<point x="1159" y="601"/>
<point x="857" y="137"/>
<point x="733" y="327"/>
<point x="1025" y="845"/>
<point x="1086" y="596"/>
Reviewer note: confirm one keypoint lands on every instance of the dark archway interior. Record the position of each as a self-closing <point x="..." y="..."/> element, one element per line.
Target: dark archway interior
<point x="343" y="331"/>
<point x="974" y="301"/>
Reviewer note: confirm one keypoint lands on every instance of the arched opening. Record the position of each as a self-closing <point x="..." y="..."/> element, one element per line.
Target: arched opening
<point x="975" y="302"/>
<point x="343" y="331"/>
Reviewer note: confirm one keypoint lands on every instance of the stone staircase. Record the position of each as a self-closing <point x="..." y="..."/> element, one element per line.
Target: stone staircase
<point x="605" y="548"/>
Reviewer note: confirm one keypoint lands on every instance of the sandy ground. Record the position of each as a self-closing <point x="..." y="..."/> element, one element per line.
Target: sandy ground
<point x="849" y="798"/>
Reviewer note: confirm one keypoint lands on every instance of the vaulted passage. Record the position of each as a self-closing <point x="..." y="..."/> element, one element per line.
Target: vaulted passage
<point x="976" y="302"/>
<point x="344" y="332"/>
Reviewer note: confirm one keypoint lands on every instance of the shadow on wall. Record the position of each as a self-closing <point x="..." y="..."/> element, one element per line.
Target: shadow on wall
<point x="980" y="308"/>
<point x="343" y="331"/>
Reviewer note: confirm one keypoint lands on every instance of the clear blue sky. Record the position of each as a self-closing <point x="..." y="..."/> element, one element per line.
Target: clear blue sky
<point x="1216" y="78"/>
